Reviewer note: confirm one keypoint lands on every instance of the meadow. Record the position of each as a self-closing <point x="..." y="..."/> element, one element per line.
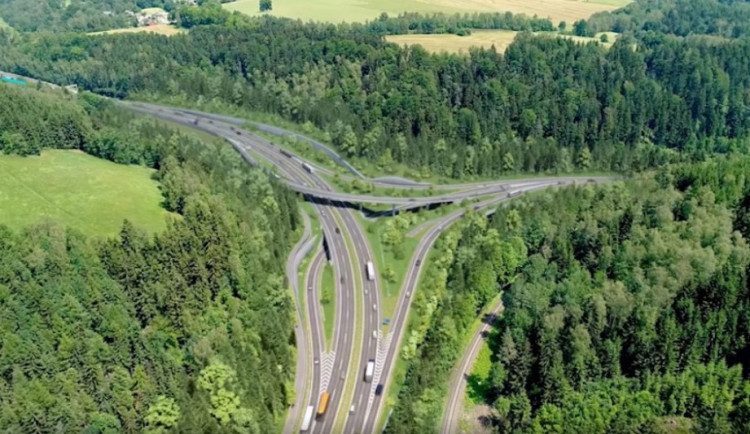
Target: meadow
<point x="478" y="38"/>
<point x="362" y="10"/>
<point x="161" y="29"/>
<point x="79" y="191"/>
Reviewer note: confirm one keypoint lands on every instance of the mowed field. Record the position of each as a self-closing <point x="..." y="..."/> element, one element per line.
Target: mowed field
<point x="478" y="38"/>
<point x="80" y="191"/>
<point x="161" y="29"/>
<point x="363" y="10"/>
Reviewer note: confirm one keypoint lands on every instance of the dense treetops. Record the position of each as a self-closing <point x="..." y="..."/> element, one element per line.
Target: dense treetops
<point x="73" y="15"/>
<point x="189" y="329"/>
<point x="631" y="308"/>
<point x="726" y="18"/>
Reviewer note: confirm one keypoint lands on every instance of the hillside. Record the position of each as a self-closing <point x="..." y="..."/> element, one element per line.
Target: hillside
<point x="140" y="332"/>
<point x="78" y="191"/>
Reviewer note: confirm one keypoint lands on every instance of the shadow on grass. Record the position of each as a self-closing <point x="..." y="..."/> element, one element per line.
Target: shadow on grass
<point x="477" y="388"/>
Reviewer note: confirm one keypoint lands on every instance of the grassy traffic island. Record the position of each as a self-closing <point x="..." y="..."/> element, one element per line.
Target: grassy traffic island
<point x="79" y="191"/>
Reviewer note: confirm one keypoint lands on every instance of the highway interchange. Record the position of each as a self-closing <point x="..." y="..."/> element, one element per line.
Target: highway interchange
<point x="358" y="308"/>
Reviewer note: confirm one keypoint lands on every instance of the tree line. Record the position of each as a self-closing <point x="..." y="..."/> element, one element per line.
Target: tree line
<point x="189" y="329"/>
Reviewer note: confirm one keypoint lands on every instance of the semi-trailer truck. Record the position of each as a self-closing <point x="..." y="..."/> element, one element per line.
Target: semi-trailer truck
<point x="307" y="420"/>
<point x="369" y="370"/>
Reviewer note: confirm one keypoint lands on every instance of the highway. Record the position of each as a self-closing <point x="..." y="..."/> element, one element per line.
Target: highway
<point x="344" y="365"/>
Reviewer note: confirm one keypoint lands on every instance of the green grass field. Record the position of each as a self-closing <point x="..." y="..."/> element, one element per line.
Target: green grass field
<point x="500" y="39"/>
<point x="328" y="302"/>
<point x="477" y="385"/>
<point x="79" y="191"/>
<point x="363" y="10"/>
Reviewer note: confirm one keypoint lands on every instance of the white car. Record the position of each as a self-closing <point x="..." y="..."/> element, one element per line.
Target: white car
<point x="374" y="334"/>
<point x="374" y="307"/>
<point x="351" y="410"/>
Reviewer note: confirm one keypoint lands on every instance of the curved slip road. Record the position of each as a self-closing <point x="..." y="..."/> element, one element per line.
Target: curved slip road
<point x="302" y="339"/>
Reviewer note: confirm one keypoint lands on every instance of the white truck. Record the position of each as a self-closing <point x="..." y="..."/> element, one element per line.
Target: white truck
<point x="308" y="419"/>
<point x="308" y="167"/>
<point x="370" y="271"/>
<point x="369" y="370"/>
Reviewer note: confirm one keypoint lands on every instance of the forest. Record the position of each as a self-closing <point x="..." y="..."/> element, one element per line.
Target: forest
<point x="545" y="105"/>
<point x="630" y="309"/>
<point x="147" y="333"/>
<point x="73" y="15"/>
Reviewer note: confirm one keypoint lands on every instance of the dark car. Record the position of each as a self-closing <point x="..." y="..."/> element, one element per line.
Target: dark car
<point x="338" y="231"/>
<point x="419" y="262"/>
<point x="379" y="389"/>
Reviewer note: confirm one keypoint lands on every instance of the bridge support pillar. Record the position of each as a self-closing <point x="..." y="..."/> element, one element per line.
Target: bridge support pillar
<point x="393" y="210"/>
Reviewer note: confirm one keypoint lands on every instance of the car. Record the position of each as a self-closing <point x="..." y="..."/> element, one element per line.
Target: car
<point x="374" y="334"/>
<point x="374" y="307"/>
<point x="419" y="262"/>
<point x="343" y="375"/>
<point x="342" y="280"/>
<point x="338" y="231"/>
<point x="316" y="361"/>
<point x="408" y="293"/>
<point x="351" y="410"/>
<point x="309" y="288"/>
<point x="386" y="321"/>
<point x="379" y="389"/>
<point x="365" y="292"/>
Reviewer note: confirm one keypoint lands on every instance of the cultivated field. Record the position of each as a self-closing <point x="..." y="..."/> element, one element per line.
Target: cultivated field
<point x="161" y="29"/>
<point x="362" y="10"/>
<point x="478" y="38"/>
<point x="80" y="191"/>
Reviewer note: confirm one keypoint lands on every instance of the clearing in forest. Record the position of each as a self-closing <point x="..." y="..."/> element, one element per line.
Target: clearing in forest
<point x="362" y="10"/>
<point x="161" y="29"/>
<point x="79" y="191"/>
<point x="478" y="38"/>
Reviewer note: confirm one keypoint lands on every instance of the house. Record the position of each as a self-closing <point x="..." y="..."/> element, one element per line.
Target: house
<point x="151" y="16"/>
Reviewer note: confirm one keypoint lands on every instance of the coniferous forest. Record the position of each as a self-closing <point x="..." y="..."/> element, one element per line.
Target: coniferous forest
<point x="190" y="329"/>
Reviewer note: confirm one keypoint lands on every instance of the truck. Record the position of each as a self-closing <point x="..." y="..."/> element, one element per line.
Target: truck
<point x="307" y="167"/>
<point x="370" y="270"/>
<point x="307" y="419"/>
<point x="285" y="153"/>
<point x="369" y="370"/>
<point x="323" y="404"/>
